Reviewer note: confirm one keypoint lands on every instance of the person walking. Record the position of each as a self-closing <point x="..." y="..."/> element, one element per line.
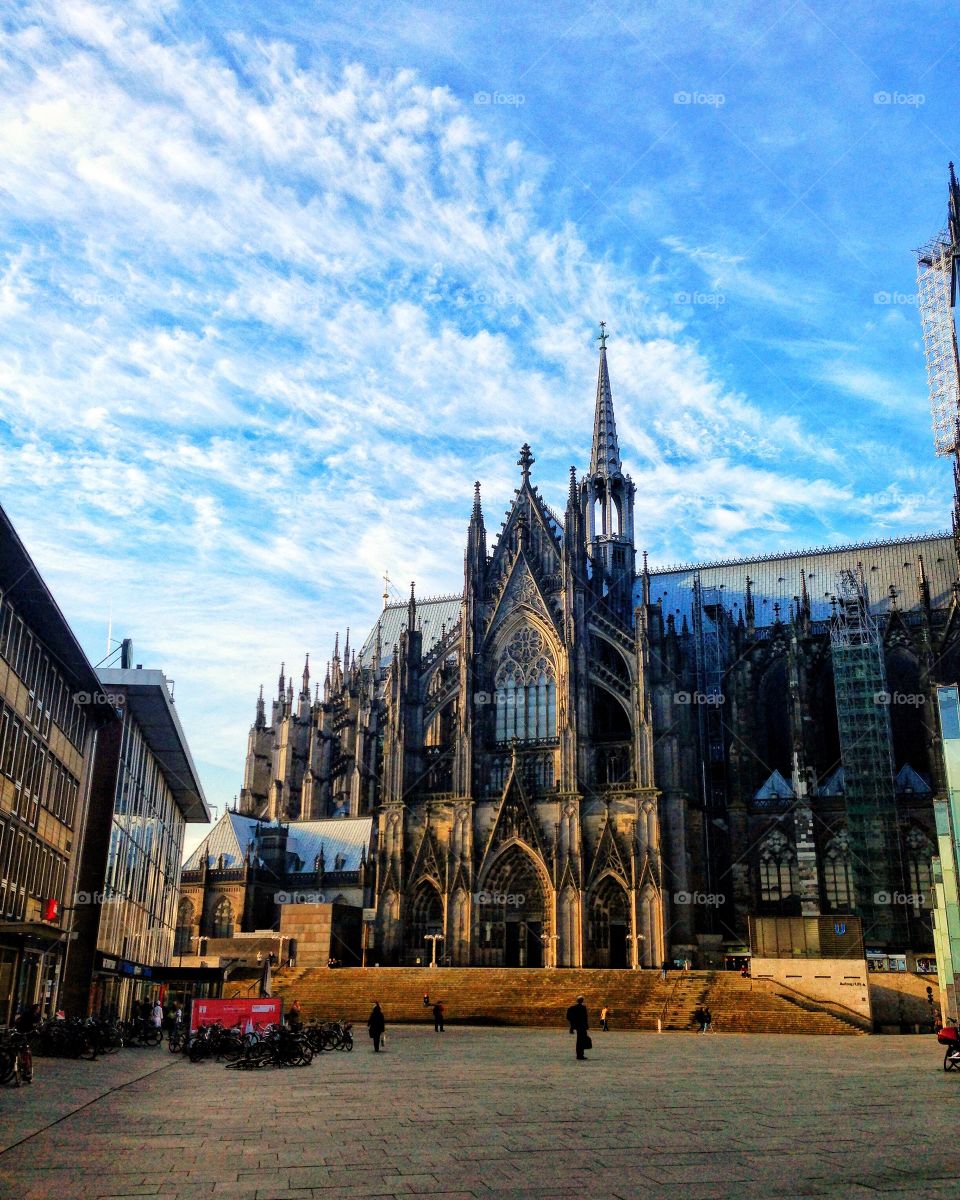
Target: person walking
<point x="579" y="1023"/>
<point x="438" y="1017"/>
<point x="293" y="1016"/>
<point x="698" y="1018"/>
<point x="156" y="1017"/>
<point x="707" y="1020"/>
<point x="604" y="1015"/>
<point x="664" y="968"/>
<point x="426" y="999"/>
<point x="376" y="1024"/>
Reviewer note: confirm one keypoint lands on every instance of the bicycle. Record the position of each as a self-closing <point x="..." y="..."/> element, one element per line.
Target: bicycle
<point x="16" y="1058"/>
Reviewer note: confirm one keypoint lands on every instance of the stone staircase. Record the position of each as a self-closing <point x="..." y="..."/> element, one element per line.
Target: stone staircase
<point x="492" y="996"/>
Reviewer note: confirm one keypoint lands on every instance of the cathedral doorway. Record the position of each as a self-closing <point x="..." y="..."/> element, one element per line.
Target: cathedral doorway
<point x="511" y="913"/>
<point x="609" y="925"/>
<point x="424" y="917"/>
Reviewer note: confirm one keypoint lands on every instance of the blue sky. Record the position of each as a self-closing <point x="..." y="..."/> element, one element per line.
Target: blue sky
<point x="278" y="282"/>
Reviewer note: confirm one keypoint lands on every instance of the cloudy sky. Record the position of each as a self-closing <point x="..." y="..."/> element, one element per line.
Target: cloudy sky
<point x="279" y="281"/>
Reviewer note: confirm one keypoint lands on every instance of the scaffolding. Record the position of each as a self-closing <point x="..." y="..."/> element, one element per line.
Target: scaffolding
<point x="711" y="632"/>
<point x="935" y="276"/>
<point x="866" y="749"/>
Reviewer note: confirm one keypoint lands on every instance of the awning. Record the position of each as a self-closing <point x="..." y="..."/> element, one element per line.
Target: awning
<point x="39" y="931"/>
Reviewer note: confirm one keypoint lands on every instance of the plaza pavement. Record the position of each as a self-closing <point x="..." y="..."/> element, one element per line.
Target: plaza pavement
<point x="504" y="1113"/>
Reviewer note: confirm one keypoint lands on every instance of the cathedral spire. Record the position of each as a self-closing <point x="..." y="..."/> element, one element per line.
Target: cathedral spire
<point x="261" y="719"/>
<point x="605" y="455"/>
<point x="412" y="608"/>
<point x="305" y="686"/>
<point x="525" y="462"/>
<point x="282" y="682"/>
<point x="477" y="514"/>
<point x="645" y="577"/>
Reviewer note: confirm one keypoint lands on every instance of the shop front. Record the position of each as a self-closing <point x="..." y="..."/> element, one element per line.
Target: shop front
<point x="31" y="958"/>
<point x="119" y="985"/>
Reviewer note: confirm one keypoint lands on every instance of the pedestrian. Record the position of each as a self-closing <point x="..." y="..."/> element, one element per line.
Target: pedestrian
<point x="744" y="970"/>
<point x="698" y="1018"/>
<point x="156" y="1016"/>
<point x="579" y="1022"/>
<point x="293" y="1016"/>
<point x="707" y="1020"/>
<point x="686" y="964"/>
<point x="664" y="968"/>
<point x="604" y="1014"/>
<point x="376" y="1024"/>
<point x="426" y="999"/>
<point x="438" y="1017"/>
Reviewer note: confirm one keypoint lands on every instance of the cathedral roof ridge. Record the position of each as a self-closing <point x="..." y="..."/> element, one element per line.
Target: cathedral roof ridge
<point x="442" y="598"/>
<point x="801" y="552"/>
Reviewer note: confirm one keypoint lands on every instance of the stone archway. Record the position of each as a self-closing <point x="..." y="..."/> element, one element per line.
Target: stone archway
<point x="424" y="915"/>
<point x="608" y="915"/>
<point x="513" y="914"/>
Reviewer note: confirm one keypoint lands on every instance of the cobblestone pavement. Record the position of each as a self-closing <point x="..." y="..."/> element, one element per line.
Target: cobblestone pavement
<point x="504" y="1113"/>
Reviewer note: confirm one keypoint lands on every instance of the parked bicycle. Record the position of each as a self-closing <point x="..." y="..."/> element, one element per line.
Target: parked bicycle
<point x="16" y="1058"/>
<point x="277" y="1047"/>
<point x="329" y="1035"/>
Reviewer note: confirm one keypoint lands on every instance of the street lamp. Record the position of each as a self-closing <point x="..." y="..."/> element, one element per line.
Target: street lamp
<point x="434" y="937"/>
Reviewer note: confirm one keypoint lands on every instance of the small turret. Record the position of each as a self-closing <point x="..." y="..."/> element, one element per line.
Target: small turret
<point x="260" y="722"/>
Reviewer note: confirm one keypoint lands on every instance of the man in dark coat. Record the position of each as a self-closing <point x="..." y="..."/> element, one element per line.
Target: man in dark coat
<point x="579" y="1023"/>
<point x="376" y="1024"/>
<point x="438" y="1017"/>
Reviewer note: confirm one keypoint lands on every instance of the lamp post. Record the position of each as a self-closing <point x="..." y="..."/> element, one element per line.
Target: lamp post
<point x="434" y="938"/>
<point x="547" y="938"/>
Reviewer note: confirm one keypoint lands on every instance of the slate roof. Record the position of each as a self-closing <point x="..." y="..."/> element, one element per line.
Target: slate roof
<point x="776" y="578"/>
<point x="233" y="833"/>
<point x="432" y="616"/>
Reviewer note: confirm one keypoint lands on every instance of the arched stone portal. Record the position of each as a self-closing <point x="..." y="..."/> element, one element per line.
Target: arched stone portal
<point x="609" y="925"/>
<point x="513" y="916"/>
<point x="424" y="916"/>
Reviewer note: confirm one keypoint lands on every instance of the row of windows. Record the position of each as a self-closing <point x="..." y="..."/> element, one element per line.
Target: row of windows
<point x="50" y="696"/>
<point x="28" y="867"/>
<point x="39" y="778"/>
<point x="143" y="861"/>
<point x="526" y="712"/>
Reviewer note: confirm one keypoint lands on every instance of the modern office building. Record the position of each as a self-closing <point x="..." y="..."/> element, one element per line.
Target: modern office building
<point x="52" y="716"/>
<point x="946" y="807"/>
<point x="128" y="889"/>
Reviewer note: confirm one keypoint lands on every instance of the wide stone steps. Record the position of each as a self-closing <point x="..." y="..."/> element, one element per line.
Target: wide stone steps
<point x="479" y="995"/>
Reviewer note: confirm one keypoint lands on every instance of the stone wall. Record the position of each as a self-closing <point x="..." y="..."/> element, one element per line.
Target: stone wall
<point x="841" y="981"/>
<point x="322" y="931"/>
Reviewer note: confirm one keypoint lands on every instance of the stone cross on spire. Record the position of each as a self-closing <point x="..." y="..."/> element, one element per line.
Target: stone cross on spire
<point x="525" y="461"/>
<point x="605" y="455"/>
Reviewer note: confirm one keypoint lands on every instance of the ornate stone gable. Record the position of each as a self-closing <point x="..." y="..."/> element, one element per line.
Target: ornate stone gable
<point x="427" y="862"/>
<point x="514" y="820"/>
<point x="521" y="590"/>
<point x="609" y="857"/>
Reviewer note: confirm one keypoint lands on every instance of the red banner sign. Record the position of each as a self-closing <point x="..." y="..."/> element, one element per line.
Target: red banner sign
<point x="249" y="1013"/>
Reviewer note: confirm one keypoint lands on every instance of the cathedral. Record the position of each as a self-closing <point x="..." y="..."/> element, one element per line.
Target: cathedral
<point x="582" y="760"/>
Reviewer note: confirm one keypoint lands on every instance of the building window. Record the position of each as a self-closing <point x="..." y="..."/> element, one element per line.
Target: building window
<point x="778" y="869"/>
<point x="223" y="919"/>
<point x="837" y="874"/>
<point x="919" y="875"/>
<point x="526" y="690"/>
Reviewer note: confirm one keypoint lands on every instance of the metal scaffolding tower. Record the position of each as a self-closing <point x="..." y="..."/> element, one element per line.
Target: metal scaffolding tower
<point x="937" y="273"/>
<point x="866" y="749"/>
<point x="711" y="631"/>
